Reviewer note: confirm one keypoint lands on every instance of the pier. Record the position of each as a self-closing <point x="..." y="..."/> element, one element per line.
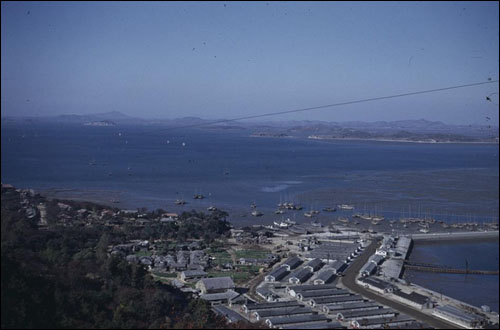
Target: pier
<point x="445" y="269"/>
<point x="455" y="236"/>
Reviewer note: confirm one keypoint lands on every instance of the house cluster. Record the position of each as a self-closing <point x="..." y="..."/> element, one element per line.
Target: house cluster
<point x="268" y="261"/>
<point x="182" y="260"/>
<point x="251" y="237"/>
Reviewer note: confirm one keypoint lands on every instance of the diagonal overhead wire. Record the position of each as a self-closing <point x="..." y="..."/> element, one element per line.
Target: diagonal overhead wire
<point x="428" y="91"/>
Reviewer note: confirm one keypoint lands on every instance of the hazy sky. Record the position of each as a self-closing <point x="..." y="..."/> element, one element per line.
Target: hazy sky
<point x="225" y="60"/>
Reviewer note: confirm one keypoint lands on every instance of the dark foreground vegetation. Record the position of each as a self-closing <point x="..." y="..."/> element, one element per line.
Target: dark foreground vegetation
<point x="63" y="276"/>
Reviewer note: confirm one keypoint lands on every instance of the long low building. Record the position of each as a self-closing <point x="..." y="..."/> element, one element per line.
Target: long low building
<point x="338" y="266"/>
<point x="297" y="320"/>
<point x="335" y="300"/>
<point x="368" y="269"/>
<point x="325" y="276"/>
<point x="319" y="325"/>
<point x="376" y="284"/>
<point x="292" y="263"/>
<point x="229" y="314"/>
<point x="288" y="311"/>
<point x="293" y="290"/>
<point x="365" y="314"/>
<point x="413" y="299"/>
<point x="335" y="308"/>
<point x="282" y="304"/>
<point x="314" y="265"/>
<point x="300" y="275"/>
<point x="456" y="316"/>
<point x="277" y="274"/>
<point x="321" y="293"/>
<point x="380" y="322"/>
<point x="219" y="298"/>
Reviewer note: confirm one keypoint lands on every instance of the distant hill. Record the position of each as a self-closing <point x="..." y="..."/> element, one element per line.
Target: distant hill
<point x="420" y="129"/>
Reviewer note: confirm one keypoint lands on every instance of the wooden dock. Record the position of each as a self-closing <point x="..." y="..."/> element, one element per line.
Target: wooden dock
<point x="445" y="269"/>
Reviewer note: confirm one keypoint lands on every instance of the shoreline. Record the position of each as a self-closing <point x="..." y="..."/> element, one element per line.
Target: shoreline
<point x="402" y="141"/>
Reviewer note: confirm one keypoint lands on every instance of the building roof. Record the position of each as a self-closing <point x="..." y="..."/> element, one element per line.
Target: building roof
<point x="231" y="315"/>
<point x="323" y="293"/>
<point x="301" y="274"/>
<point x="320" y="325"/>
<point x="193" y="273"/>
<point x="284" y="311"/>
<point x="279" y="273"/>
<point x="413" y="297"/>
<point x="229" y="294"/>
<point x="338" y="265"/>
<point x="357" y="314"/>
<point x="375" y="282"/>
<point x="325" y="275"/>
<point x="386" y="320"/>
<point x="281" y="304"/>
<point x="455" y="312"/>
<point x="336" y="299"/>
<point x="349" y="306"/>
<point x="311" y="287"/>
<point x="292" y="262"/>
<point x="369" y="268"/>
<point x="376" y="259"/>
<point x="217" y="283"/>
<point x="297" y="319"/>
<point x="315" y="264"/>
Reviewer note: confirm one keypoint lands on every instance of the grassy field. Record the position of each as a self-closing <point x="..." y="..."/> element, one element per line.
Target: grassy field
<point x="221" y="257"/>
<point x="144" y="253"/>
<point x="258" y="254"/>
<point x="235" y="275"/>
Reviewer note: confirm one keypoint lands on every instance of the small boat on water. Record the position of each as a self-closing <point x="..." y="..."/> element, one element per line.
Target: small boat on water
<point x="345" y="220"/>
<point x="198" y="196"/>
<point x="180" y="202"/>
<point x="279" y="211"/>
<point x="281" y="224"/>
<point x="329" y="209"/>
<point x="116" y="201"/>
<point x="309" y="214"/>
<point x="257" y="213"/>
<point x="346" y="207"/>
<point x="212" y="208"/>
<point x="424" y="230"/>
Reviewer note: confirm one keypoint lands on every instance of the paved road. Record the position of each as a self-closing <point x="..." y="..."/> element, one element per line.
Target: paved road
<point x="349" y="281"/>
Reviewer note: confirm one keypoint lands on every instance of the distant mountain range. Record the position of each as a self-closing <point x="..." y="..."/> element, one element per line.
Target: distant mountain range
<point x="411" y="130"/>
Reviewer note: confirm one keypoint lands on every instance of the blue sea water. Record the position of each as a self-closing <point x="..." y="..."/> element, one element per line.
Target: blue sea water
<point x="144" y="166"/>
<point x="476" y="290"/>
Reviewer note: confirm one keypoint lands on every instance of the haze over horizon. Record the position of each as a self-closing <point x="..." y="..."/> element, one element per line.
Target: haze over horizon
<point x="227" y="60"/>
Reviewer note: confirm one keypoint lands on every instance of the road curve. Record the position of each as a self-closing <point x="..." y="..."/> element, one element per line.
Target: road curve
<point x="349" y="281"/>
